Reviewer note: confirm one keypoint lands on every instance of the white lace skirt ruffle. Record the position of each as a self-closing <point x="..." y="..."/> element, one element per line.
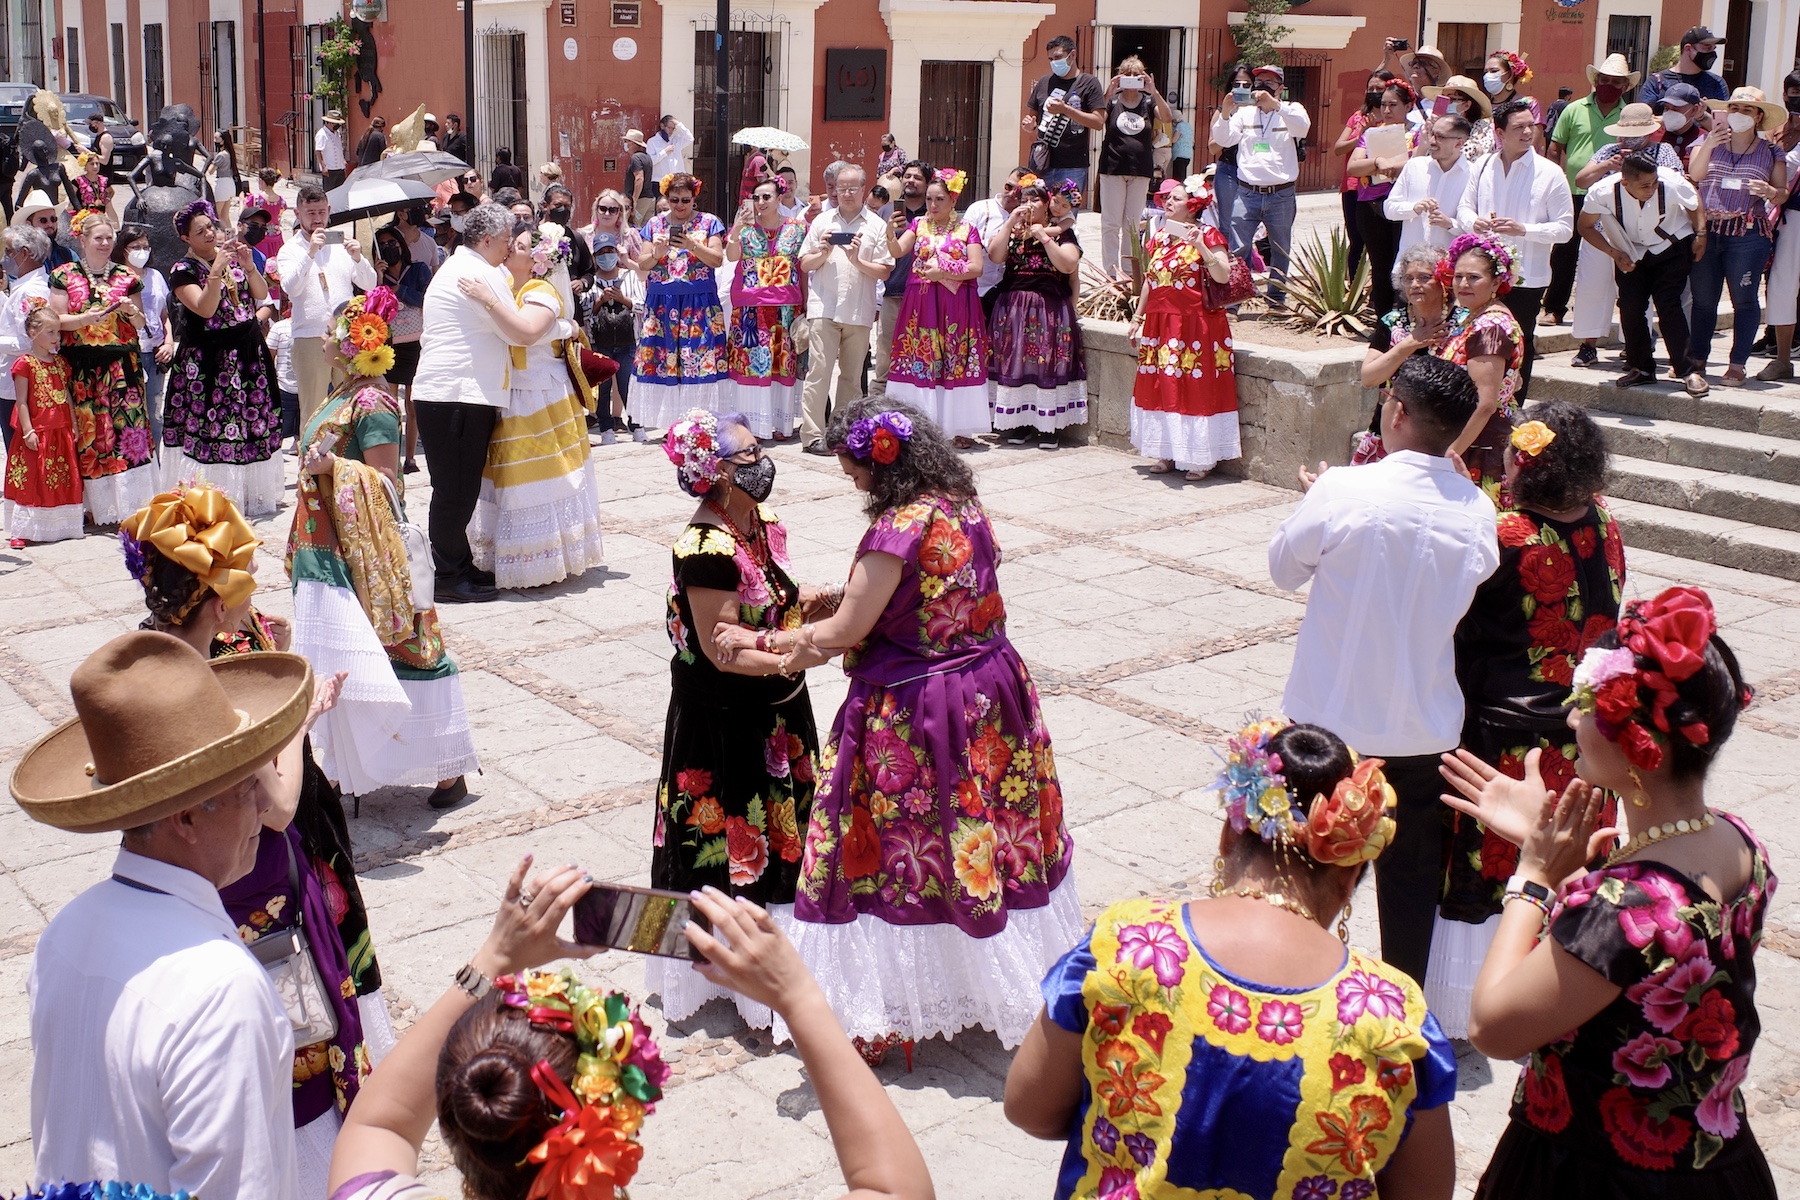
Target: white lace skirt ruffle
<point x="1457" y="952"/>
<point x="959" y="412"/>
<point x="1043" y="409"/>
<point x="1194" y="443"/>
<point x="769" y="410"/>
<point x="384" y="731"/>
<point x="58" y="524"/>
<point x="531" y="534"/>
<point x="925" y="980"/>
<point x="685" y="991"/>
<point x="313" y="1143"/>
<point x="255" y="488"/>
<point x="657" y="405"/>
<point x="112" y="498"/>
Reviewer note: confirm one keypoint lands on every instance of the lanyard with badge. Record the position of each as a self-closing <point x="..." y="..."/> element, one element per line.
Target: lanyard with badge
<point x="1264" y="131"/>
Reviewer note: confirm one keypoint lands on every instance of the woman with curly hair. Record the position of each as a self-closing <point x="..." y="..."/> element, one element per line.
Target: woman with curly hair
<point x="97" y="303"/>
<point x="935" y="889"/>
<point x="537" y="520"/>
<point x="401" y="722"/>
<point x="1232" y="1045"/>
<point x="681" y="354"/>
<point x="1632" y="986"/>
<point x="940" y="357"/>
<point x="1489" y="344"/>
<point x="195" y="557"/>
<point x="1555" y="593"/>
<point x="740" y="749"/>
<point x="222" y="411"/>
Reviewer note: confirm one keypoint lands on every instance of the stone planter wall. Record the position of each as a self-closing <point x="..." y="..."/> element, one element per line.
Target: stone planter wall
<point x="1295" y="407"/>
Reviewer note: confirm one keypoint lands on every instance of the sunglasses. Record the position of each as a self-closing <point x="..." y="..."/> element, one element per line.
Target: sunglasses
<point x="611" y="210"/>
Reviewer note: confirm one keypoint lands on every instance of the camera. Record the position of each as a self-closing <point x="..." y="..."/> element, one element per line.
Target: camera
<point x="1401" y="44"/>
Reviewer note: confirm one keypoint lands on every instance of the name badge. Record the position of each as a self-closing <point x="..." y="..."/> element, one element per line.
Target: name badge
<point x="1261" y="147"/>
<point x="1732" y="184"/>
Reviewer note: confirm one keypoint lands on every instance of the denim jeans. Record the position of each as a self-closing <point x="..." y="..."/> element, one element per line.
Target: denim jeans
<point x="290" y="415"/>
<point x="1054" y="177"/>
<point x="1274" y="211"/>
<point x="1734" y="261"/>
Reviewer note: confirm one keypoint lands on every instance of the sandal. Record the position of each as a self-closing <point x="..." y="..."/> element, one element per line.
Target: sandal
<point x="1163" y="467"/>
<point x="964" y="443"/>
<point x="874" y="1050"/>
<point x="1195" y="476"/>
<point x="1734" y="376"/>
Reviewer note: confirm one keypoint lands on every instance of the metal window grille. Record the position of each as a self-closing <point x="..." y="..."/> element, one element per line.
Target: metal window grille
<point x="6" y="33"/>
<point x="153" y="73"/>
<point x="756" y="56"/>
<point x="31" y="41"/>
<point x="500" y="98"/>
<point x="1629" y="36"/>
<point x="72" y="54"/>
<point x="119" y="80"/>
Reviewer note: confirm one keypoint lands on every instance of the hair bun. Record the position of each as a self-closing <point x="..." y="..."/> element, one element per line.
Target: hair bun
<point x="492" y="1099"/>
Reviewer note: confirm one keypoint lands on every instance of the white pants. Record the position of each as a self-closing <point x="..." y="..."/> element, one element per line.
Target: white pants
<point x="1596" y="294"/>
<point x="1121" y="204"/>
<point x="1784" y="274"/>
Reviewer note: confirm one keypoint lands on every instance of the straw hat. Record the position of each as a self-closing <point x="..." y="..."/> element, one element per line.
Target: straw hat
<point x="159" y="730"/>
<point x="635" y="137"/>
<point x="1469" y="88"/>
<point x="1618" y="65"/>
<point x="1636" y="120"/>
<point x="36" y="201"/>
<point x="1427" y="52"/>
<point x="334" y="116"/>
<point x="1774" y="115"/>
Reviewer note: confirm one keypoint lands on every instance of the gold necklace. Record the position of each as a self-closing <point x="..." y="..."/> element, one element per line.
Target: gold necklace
<point x="1659" y="833"/>
<point x="1276" y="898"/>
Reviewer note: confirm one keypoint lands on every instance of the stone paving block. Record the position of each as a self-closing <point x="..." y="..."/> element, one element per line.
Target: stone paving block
<point x="572" y="769"/>
<point x="599" y="664"/>
<point x="422" y="894"/>
<point x="49" y="886"/>
<point x="1077" y="722"/>
<point x="1052" y="647"/>
<point x="1234" y="609"/>
<point x="1158" y="585"/>
<point x="981" y="1157"/>
<point x="1201" y="691"/>
<point x="1165" y="839"/>
<point x="1163" y="762"/>
<point x="724" y="1138"/>
<point x="1262" y="666"/>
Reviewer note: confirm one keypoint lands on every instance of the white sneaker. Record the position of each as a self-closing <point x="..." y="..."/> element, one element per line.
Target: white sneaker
<point x="640" y="435"/>
<point x="607" y="437"/>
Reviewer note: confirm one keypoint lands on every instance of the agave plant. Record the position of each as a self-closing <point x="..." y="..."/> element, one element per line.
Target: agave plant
<point x="1112" y="299"/>
<point x="1322" y="293"/>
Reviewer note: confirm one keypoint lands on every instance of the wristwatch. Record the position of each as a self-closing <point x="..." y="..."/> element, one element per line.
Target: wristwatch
<point x="1530" y="890"/>
<point x="473" y="982"/>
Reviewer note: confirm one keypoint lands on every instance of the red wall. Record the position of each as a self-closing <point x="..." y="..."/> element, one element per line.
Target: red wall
<point x="596" y="98"/>
<point x="843" y="25"/>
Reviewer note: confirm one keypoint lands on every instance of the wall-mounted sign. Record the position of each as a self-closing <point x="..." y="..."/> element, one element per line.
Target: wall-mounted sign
<point x="627" y="14"/>
<point x="369" y="10"/>
<point x="571" y="48"/>
<point x="855" y="85"/>
<point x="568" y="11"/>
<point x="624" y="49"/>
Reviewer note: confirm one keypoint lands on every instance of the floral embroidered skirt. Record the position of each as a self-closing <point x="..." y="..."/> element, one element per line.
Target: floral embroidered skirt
<point x="43" y="488"/>
<point x="939" y="360"/>
<point x="1039" y="375"/>
<point x="222" y="418"/>
<point x="112" y="430"/>
<point x="1530" y="1165"/>
<point x="537" y="520"/>
<point x="936" y="885"/>
<point x="681" y="353"/>
<point x="1184" y="404"/>
<point x="767" y="368"/>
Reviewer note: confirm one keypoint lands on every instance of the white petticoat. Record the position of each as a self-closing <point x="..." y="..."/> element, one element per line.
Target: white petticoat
<point x="255" y="488"/>
<point x="315" y="1140"/>
<point x="1194" y="443"/>
<point x="385" y="731"/>
<point x="769" y="410"/>
<point x="1043" y="409"/>
<point x="1457" y="952"/>
<point x="531" y="534"/>
<point x="57" y="524"/>
<point x="959" y="412"/>
<point x="685" y="991"/>
<point x="112" y="498"/>
<point x="656" y="405"/>
<point x="925" y="980"/>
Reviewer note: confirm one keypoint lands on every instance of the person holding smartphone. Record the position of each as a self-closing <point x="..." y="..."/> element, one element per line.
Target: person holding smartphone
<point x="1265" y="132"/>
<point x="1065" y="107"/>
<point x="317" y="276"/>
<point x="681" y="353"/>
<point x="768" y="297"/>
<point x="1127" y="153"/>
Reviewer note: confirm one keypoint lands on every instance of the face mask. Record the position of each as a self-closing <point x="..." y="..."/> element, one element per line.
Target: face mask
<point x="1607" y="94"/>
<point x="756" y="480"/>
<point x="1060" y="67"/>
<point x="1674" y="122"/>
<point x="1632" y="143"/>
<point x="560" y="215"/>
<point x="138" y="258"/>
<point x="390" y="253"/>
<point x="255" y="233"/>
<point x="606" y="262"/>
<point x="1705" y="59"/>
<point x="1793" y="104"/>
<point x="456" y="222"/>
<point x="1493" y="82"/>
<point x="1371" y="99"/>
<point x="1741" y="122"/>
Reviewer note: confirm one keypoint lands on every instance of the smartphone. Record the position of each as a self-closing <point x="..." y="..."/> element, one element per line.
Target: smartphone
<point x="839" y="239"/>
<point x="1135" y="82"/>
<point x="1440" y="107"/>
<point x="641" y="920"/>
<point x="334" y="237"/>
<point x="1240" y="95"/>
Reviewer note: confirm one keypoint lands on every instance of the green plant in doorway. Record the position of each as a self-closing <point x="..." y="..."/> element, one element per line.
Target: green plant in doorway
<point x="1259" y="38"/>
<point x="1664" y="58"/>
<point x="1322" y="293"/>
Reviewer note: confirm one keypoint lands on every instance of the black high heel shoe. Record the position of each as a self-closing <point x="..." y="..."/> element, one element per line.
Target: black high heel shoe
<point x="448" y="796"/>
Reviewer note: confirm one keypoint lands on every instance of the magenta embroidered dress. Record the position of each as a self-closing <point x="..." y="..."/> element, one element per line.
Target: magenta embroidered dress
<point x="939" y="362"/>
<point x="934" y="889"/>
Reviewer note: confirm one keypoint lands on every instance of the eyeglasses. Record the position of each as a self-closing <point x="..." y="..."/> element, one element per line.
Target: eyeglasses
<point x="681" y="199"/>
<point x="611" y="210"/>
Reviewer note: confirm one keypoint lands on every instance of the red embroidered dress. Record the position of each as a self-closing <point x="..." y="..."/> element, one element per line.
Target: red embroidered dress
<point x="43" y="487"/>
<point x="1184" y="405"/>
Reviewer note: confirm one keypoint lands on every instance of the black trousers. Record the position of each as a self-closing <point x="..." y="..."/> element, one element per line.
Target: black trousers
<point x="1381" y="241"/>
<point x="1409" y="874"/>
<point x="456" y="440"/>
<point x="1564" y="258"/>
<point x="1657" y="279"/>
<point x="334" y="179"/>
<point x="1525" y="304"/>
<point x="1353" y="234"/>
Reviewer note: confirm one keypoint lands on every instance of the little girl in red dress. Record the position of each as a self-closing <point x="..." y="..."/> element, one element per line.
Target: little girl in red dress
<point x="43" y="484"/>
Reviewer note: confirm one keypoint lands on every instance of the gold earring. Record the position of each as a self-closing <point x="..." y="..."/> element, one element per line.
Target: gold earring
<point x="1218" y="883"/>
<point x="1638" y="799"/>
<point x="1344" y="923"/>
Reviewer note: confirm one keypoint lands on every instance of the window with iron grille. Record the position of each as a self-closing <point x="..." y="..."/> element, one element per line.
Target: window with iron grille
<point x="31" y="41"/>
<point x="153" y="73"/>
<point x="72" y="55"/>
<point x="119" y="81"/>
<point x="755" y="49"/>
<point x="1629" y="36"/>
<point x="500" y="98"/>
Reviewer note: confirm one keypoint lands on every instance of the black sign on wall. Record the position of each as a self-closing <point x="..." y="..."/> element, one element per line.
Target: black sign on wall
<point x="855" y="85"/>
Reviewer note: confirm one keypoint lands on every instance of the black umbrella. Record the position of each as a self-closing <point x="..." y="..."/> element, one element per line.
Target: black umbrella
<point x="364" y="196"/>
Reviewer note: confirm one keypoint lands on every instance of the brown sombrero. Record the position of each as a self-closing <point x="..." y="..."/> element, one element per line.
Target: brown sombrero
<point x="159" y="729"/>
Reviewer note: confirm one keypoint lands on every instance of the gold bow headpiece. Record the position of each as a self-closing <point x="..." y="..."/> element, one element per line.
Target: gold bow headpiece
<point x="200" y="529"/>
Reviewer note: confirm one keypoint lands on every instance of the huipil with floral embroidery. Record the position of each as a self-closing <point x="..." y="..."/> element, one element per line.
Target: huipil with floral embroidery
<point x="1648" y="1090"/>
<point x="112" y="424"/>
<point x="1493" y="332"/>
<point x="1184" y="348"/>
<point x="1199" y="1083"/>
<point x="740" y="752"/>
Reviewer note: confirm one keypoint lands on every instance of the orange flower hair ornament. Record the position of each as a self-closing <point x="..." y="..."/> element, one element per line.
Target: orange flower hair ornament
<point x="1516" y="66"/>
<point x="1529" y="441"/>
<point x="953" y="181"/>
<point x="1351" y="826"/>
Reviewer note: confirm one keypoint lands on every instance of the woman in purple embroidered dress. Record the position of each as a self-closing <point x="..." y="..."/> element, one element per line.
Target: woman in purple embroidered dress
<point x="934" y="888"/>
<point x="222" y="417"/>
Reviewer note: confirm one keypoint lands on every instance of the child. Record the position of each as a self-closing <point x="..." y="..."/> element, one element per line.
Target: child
<point x="43" y="486"/>
<point x="287" y="382"/>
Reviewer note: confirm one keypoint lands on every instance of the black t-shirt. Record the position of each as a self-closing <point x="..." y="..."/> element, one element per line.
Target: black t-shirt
<point x="506" y="175"/>
<point x="373" y="143"/>
<point x="1083" y="92"/>
<point x="1125" y="143"/>
<point x="638" y="183"/>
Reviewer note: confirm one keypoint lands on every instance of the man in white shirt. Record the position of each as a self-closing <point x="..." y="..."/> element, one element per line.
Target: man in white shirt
<point x="27" y="248"/>
<point x="1523" y="199"/>
<point x="987" y="216"/>
<point x="1265" y="132"/>
<point x="1425" y="196"/>
<point x="280" y="341"/>
<point x="461" y="388"/>
<point x="668" y="148"/>
<point x="1394" y="550"/>
<point x="317" y="276"/>
<point x="328" y="149"/>
<point x="162" y="1054"/>
<point x="845" y="255"/>
<point x="1645" y="220"/>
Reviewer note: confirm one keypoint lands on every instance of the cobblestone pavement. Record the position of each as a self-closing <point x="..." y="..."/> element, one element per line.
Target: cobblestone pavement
<point x="1144" y="609"/>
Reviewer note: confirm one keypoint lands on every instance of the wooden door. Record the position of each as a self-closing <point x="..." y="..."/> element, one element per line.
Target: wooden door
<point x="954" y="102"/>
<point x="1465" y="47"/>
<point x="1734" y="62"/>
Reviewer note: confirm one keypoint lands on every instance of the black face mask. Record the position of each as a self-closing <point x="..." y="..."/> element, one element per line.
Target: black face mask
<point x="559" y="214"/>
<point x="1705" y="59"/>
<point x="254" y="234"/>
<point x="757" y="479"/>
<point x="390" y="253"/>
<point x="1371" y="100"/>
<point x="1793" y="104"/>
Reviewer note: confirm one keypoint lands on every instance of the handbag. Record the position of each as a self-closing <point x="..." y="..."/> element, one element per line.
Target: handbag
<point x="1239" y="288"/>
<point x="287" y="957"/>
<point x="421" y="569"/>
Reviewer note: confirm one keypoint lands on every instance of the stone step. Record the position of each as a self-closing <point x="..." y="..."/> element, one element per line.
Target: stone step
<point x="1677" y="443"/>
<point x="1710" y="493"/>
<point x="1711" y="539"/>
<point x="1769" y="409"/>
